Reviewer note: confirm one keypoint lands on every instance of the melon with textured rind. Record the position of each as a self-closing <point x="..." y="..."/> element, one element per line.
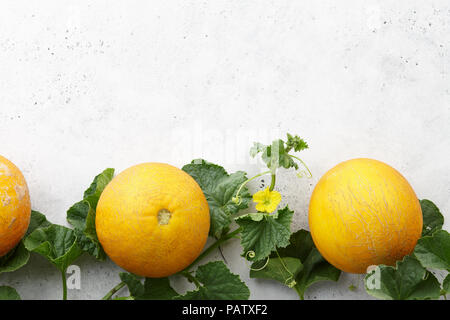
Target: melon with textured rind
<point x="153" y="220"/>
<point x="15" y="206"/>
<point x="363" y="212"/>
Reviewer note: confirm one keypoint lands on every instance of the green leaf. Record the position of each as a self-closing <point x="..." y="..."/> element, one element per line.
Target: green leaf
<point x="300" y="245"/>
<point x="315" y="267"/>
<point x="15" y="259"/>
<point x="257" y="148"/>
<point x="152" y="289"/>
<point x="158" y="289"/>
<point x="219" y="188"/>
<point x="434" y="251"/>
<point x="276" y="155"/>
<point x="92" y="194"/>
<point x="77" y="214"/>
<point x="133" y="283"/>
<point x="57" y="243"/>
<point x="428" y="289"/>
<point x="407" y="281"/>
<point x="446" y="285"/>
<point x="432" y="218"/>
<point x="296" y="143"/>
<point x="38" y="220"/>
<point x="260" y="237"/>
<point x="8" y="293"/>
<point x="216" y="282"/>
<point x="283" y="270"/>
<point x="18" y="257"/>
<point x="123" y="298"/>
<point x="82" y="215"/>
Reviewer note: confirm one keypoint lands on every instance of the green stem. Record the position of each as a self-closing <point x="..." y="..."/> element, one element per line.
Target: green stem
<point x="64" y="283"/>
<point x="214" y="246"/>
<point x="272" y="182"/>
<point x="191" y="278"/>
<point x="299" y="292"/>
<point x="304" y="164"/>
<point x="113" y="291"/>
<point x="248" y="180"/>
<point x="284" y="265"/>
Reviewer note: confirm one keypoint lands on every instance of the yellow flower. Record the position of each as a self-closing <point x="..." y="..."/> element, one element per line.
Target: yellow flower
<point x="266" y="200"/>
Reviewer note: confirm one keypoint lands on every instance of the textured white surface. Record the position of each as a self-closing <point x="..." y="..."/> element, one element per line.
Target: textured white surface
<point x="86" y="85"/>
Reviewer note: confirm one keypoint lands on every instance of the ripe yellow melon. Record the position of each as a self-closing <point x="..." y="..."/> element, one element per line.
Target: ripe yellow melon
<point x="363" y="212"/>
<point x="153" y="220"/>
<point x="15" y="206"/>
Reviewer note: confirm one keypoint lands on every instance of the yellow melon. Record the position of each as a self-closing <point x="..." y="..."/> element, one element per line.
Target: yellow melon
<point x="363" y="212"/>
<point x="15" y="206"/>
<point x="153" y="220"/>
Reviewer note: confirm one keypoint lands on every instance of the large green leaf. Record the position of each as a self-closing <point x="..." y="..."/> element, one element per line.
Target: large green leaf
<point x="57" y="243"/>
<point x="18" y="257"/>
<point x="409" y="280"/>
<point x="263" y="233"/>
<point x="219" y="188"/>
<point x="82" y="215"/>
<point x="8" y="293"/>
<point x="432" y="218"/>
<point x="434" y="251"/>
<point x="216" y="282"/>
<point x="152" y="289"/>
<point x="314" y="267"/>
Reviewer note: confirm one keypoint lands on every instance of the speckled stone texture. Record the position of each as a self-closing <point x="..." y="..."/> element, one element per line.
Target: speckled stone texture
<point x="86" y="85"/>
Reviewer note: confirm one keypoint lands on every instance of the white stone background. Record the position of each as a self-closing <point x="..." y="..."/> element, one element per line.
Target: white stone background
<point x="86" y="85"/>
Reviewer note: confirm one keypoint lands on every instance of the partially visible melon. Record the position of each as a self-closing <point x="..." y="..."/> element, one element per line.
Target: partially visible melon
<point x="15" y="206"/>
